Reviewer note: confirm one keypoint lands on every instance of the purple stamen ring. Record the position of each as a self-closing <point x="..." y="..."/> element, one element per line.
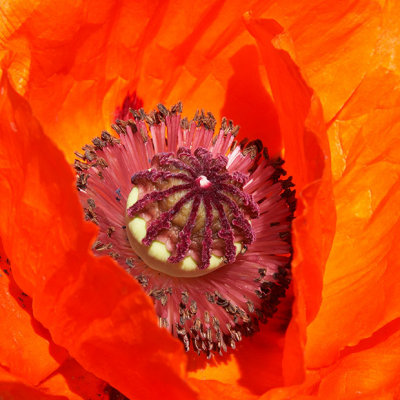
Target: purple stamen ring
<point x="195" y="205"/>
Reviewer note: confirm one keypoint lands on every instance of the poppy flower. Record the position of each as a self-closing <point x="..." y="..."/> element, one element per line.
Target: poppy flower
<point x="316" y="81"/>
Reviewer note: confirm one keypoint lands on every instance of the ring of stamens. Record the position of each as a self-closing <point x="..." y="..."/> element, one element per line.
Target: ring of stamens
<point x="212" y="313"/>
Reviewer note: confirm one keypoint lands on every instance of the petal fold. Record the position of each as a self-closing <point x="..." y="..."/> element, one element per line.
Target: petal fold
<point x="90" y="306"/>
<point x="75" y="383"/>
<point x="331" y="38"/>
<point x="370" y="373"/>
<point x="26" y="349"/>
<point x="85" y="51"/>
<point x="11" y="389"/>
<point x="361" y="282"/>
<point x="307" y="158"/>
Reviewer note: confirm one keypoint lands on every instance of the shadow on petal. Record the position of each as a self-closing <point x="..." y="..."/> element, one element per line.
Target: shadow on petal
<point x="248" y="103"/>
<point x="90" y="306"/>
<point x="307" y="157"/>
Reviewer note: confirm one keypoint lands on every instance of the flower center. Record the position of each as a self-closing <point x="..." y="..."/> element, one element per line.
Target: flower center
<point x="187" y="215"/>
<point x="173" y="200"/>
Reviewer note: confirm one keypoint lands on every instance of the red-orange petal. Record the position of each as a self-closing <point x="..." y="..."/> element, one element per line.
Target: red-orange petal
<point x="11" y="388"/>
<point x="368" y="371"/>
<point x="26" y="349"/>
<point x="362" y="277"/>
<point x="98" y="51"/>
<point x="307" y="159"/>
<point x="332" y="38"/>
<point x="91" y="306"/>
<point x="304" y="391"/>
<point x="215" y="390"/>
<point x="75" y="383"/>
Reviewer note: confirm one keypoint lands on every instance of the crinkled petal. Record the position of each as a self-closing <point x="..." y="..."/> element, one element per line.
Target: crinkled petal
<point x="26" y="349"/>
<point x="11" y="388"/>
<point x="337" y="43"/>
<point x="75" y="383"/>
<point x="90" y="306"/>
<point x="304" y="391"/>
<point x="13" y="15"/>
<point x="164" y="51"/>
<point x="362" y="276"/>
<point x="214" y="390"/>
<point x="368" y="371"/>
<point x="307" y="159"/>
